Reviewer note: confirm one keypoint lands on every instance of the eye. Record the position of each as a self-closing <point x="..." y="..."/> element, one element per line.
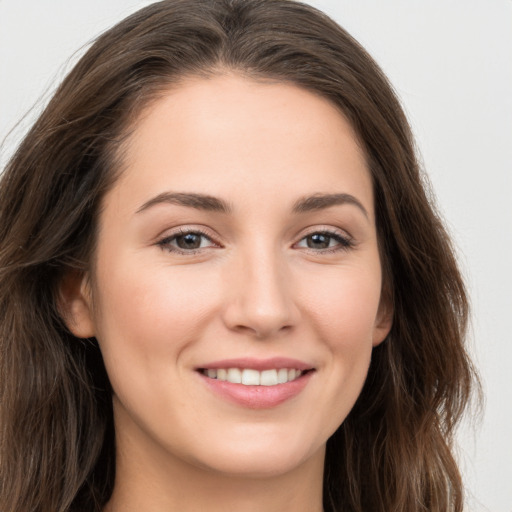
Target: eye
<point x="325" y="241"/>
<point x="186" y="241"/>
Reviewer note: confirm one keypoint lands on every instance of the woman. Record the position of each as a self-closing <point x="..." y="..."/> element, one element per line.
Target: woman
<point x="222" y="282"/>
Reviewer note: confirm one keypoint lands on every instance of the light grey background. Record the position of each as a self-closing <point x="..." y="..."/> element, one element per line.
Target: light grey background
<point x="451" y="64"/>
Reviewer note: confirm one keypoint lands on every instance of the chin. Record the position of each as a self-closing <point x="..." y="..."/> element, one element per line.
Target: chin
<point x="259" y="460"/>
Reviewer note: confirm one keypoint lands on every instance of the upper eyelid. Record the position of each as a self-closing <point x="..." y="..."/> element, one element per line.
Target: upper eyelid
<point x="324" y="229"/>
<point x="183" y="230"/>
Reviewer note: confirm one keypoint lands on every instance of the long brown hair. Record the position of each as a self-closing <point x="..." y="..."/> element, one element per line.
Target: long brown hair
<point x="57" y="448"/>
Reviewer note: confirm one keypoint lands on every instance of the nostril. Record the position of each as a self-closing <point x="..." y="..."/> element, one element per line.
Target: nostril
<point x="263" y="330"/>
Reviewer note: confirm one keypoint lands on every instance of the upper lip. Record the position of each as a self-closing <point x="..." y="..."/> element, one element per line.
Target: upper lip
<point x="257" y="364"/>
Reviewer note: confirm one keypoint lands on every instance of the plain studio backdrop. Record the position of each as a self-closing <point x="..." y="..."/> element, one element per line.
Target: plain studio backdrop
<point x="451" y="64"/>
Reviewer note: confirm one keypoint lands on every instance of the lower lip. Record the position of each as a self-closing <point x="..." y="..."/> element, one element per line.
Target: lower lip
<point x="257" y="397"/>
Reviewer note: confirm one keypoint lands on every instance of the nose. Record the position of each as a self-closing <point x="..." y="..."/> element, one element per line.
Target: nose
<point x="261" y="300"/>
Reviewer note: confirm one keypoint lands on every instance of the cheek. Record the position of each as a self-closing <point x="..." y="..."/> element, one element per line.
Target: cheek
<point x="343" y="312"/>
<point x="343" y="305"/>
<point x="149" y="316"/>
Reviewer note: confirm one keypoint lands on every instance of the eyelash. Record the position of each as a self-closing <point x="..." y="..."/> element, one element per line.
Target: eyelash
<point x="344" y="242"/>
<point x="165" y="243"/>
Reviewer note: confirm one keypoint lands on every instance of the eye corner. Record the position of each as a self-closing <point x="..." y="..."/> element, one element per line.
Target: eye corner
<point x="325" y="240"/>
<point x="176" y="241"/>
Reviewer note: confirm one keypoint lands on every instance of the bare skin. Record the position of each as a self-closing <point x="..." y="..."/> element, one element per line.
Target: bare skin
<point x="241" y="228"/>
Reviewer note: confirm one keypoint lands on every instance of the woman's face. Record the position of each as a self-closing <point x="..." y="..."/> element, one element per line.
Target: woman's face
<point x="239" y="243"/>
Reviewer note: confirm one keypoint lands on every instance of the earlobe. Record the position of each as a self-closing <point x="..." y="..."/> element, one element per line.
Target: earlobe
<point x="383" y="322"/>
<point x="75" y="304"/>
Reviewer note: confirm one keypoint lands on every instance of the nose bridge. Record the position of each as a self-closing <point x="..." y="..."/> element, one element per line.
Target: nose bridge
<point x="261" y="300"/>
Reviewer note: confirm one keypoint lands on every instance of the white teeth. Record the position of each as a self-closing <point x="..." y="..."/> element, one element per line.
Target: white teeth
<point x="234" y="375"/>
<point x="250" y="377"/>
<point x="282" y="376"/>
<point x="268" y="378"/>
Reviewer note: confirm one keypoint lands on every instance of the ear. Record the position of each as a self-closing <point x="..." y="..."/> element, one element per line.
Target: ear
<point x="75" y="304"/>
<point x="383" y="321"/>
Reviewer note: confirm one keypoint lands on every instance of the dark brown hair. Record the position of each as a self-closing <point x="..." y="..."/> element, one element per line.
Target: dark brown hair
<point x="57" y="450"/>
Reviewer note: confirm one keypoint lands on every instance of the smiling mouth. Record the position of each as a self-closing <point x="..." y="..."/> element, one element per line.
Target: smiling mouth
<point x="251" y="377"/>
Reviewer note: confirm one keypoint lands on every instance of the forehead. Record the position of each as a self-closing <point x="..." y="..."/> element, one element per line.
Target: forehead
<point x="226" y="133"/>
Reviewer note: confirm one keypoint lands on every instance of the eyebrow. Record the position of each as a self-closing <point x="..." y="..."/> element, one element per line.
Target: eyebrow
<point x="214" y="204"/>
<point x="322" y="201"/>
<point x="198" y="201"/>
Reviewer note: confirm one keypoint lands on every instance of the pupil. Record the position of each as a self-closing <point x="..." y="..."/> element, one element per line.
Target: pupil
<point x="189" y="241"/>
<point x="318" y="241"/>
